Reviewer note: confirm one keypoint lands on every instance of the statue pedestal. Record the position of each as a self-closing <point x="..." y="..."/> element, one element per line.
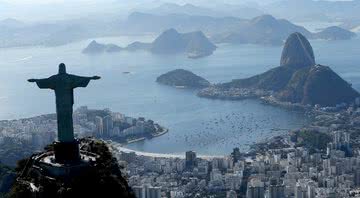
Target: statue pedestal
<point x="67" y="152"/>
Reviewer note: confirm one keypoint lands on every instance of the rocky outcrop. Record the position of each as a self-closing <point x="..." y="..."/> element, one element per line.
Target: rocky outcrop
<point x="169" y="42"/>
<point x="198" y="45"/>
<point x="318" y="85"/>
<point x="182" y="78"/>
<point x="297" y="52"/>
<point x="193" y="44"/>
<point x="297" y="80"/>
<point x="96" y="48"/>
<point x="102" y="178"/>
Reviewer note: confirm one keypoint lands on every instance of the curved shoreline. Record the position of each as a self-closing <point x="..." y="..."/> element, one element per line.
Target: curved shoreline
<point x="140" y="139"/>
<point x="115" y="146"/>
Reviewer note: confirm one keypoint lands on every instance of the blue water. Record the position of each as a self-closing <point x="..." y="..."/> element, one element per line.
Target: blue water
<point x="206" y="126"/>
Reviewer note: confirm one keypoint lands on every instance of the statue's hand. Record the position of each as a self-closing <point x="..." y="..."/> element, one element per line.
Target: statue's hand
<point x="95" y="78"/>
<point x="32" y="80"/>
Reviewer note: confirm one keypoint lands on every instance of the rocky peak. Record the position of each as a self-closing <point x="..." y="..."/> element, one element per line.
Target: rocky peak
<point x="169" y="41"/>
<point x="297" y="52"/>
<point x="264" y="20"/>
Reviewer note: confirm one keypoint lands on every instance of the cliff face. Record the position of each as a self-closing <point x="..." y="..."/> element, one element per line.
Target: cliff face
<point x="297" y="52"/>
<point x="298" y="79"/>
<point x="181" y="77"/>
<point x="318" y="85"/>
<point x="102" y="179"/>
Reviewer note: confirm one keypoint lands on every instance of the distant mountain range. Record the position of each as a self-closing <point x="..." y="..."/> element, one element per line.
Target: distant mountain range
<point x="15" y="33"/>
<point x="223" y="24"/>
<point x="264" y="29"/>
<point x="334" y="33"/>
<point x="311" y="10"/>
<point x="225" y="10"/>
<point x="295" y="10"/>
<point x="10" y="23"/>
<point x="193" y="44"/>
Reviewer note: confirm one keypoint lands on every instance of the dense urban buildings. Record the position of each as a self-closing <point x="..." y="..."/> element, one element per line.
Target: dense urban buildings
<point x="33" y="134"/>
<point x="292" y="171"/>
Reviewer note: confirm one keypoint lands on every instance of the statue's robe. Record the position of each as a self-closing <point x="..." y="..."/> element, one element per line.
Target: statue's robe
<point x="64" y="85"/>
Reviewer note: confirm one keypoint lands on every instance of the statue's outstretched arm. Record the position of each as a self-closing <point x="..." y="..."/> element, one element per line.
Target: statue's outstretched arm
<point x="95" y="78"/>
<point x="46" y="83"/>
<point x="81" y="81"/>
<point x="33" y="80"/>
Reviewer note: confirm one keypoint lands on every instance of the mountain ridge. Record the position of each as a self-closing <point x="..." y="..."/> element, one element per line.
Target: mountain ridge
<point x="193" y="44"/>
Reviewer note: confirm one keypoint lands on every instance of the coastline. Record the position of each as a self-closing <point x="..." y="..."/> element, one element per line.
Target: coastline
<point x="244" y="93"/>
<point x="140" y="139"/>
<point x="162" y="132"/>
<point x="118" y="148"/>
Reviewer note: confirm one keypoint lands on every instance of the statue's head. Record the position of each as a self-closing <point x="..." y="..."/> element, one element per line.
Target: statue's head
<point x="62" y="68"/>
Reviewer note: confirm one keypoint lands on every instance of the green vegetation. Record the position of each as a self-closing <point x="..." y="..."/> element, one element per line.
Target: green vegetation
<point x="7" y="177"/>
<point x="311" y="139"/>
<point x="12" y="149"/>
<point x="181" y="77"/>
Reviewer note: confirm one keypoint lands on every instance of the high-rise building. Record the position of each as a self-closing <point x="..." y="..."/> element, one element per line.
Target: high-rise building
<point x="341" y="141"/>
<point x="231" y="194"/>
<point x="108" y="125"/>
<point x="190" y="162"/>
<point x="99" y="125"/>
<point x="276" y="190"/>
<point x="300" y="191"/>
<point x="255" y="189"/>
<point x="139" y="191"/>
<point x="153" y="192"/>
<point x="236" y="155"/>
<point x="233" y="181"/>
<point x="147" y="191"/>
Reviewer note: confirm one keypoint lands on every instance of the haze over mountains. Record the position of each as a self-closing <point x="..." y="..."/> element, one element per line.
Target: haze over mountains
<point x="193" y="44"/>
<point x="290" y="9"/>
<point x="222" y="22"/>
<point x="264" y="29"/>
<point x="17" y="33"/>
<point x="225" y="10"/>
<point x="303" y="10"/>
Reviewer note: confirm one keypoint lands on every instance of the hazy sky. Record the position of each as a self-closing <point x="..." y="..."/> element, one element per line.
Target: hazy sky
<point x="41" y="10"/>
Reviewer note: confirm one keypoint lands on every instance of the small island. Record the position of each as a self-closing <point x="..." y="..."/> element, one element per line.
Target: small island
<point x="96" y="48"/>
<point x="182" y="79"/>
<point x="299" y="81"/>
<point x="192" y="44"/>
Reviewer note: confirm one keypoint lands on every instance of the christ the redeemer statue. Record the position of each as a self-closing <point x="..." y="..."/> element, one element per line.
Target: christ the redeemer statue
<point x="64" y="84"/>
